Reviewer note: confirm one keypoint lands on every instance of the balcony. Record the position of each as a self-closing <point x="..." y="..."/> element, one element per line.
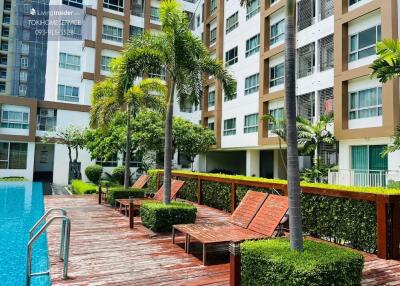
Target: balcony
<point x="6" y="19"/>
<point x="367" y="178"/>
<point x="306" y="60"/>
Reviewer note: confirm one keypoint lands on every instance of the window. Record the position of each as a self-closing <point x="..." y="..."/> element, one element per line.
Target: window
<point x="112" y="33"/>
<point x="231" y="57"/>
<point x="234" y="96"/>
<point x="198" y="21"/>
<point x="4" y="46"/>
<point x="22" y="89"/>
<point x="306" y="106"/>
<point x="277" y="75"/>
<point x="273" y="1"/>
<point x="136" y="160"/>
<point x="2" y="87"/>
<point x="210" y="125"/>
<point x="24" y="48"/>
<point x="277" y="33"/>
<point x="230" y="127"/>
<point x="14" y="119"/>
<point x="278" y="115"/>
<point x="211" y="98"/>
<point x="305" y="14"/>
<point x="136" y="31"/>
<point x="326" y="101"/>
<point x="213" y="36"/>
<point x="116" y="5"/>
<point x="70" y="62"/>
<point x="326" y="53"/>
<point x="23" y="76"/>
<point x="3" y="73"/>
<point x="137" y="8"/>
<point x="109" y="162"/>
<point x="251" y="123"/>
<point x="161" y="73"/>
<point x="24" y="62"/>
<point x="155" y="14"/>
<point x="363" y="44"/>
<point x="5" y="32"/>
<point x="232" y="22"/>
<point x="251" y="84"/>
<point x="305" y="60"/>
<point x="253" y="45"/>
<point x="13" y="155"/>
<point x="352" y="2"/>
<point x="327" y="8"/>
<point x="213" y="6"/>
<point x="46" y="119"/>
<point x="105" y="63"/>
<point x="69" y="30"/>
<point x="366" y="103"/>
<point x="73" y="3"/>
<point x="68" y="93"/>
<point x="6" y="19"/>
<point x="252" y="9"/>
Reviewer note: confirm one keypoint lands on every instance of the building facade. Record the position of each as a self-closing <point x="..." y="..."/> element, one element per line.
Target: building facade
<point x="335" y="42"/>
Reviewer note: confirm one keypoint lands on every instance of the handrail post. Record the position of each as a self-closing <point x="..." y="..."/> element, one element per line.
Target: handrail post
<point x="233" y="197"/>
<point x="234" y="264"/>
<point x="66" y="248"/>
<point x="199" y="191"/>
<point x="131" y="213"/>
<point x="100" y="191"/>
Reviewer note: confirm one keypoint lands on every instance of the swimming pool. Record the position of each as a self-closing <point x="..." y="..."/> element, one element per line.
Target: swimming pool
<point x="21" y="205"/>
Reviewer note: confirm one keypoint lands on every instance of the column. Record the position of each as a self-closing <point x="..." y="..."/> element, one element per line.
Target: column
<point x="253" y="163"/>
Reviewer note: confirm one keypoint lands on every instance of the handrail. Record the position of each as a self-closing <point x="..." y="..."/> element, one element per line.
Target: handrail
<point x="43" y="218"/>
<point x="66" y="234"/>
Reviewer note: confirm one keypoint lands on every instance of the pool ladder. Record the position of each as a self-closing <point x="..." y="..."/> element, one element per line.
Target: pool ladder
<point x="64" y="244"/>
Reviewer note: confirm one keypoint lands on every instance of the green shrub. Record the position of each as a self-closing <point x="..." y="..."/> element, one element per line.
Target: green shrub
<point x="189" y="189"/>
<point x="152" y="183"/>
<point x="217" y="195"/>
<point x="241" y="191"/>
<point x="393" y="185"/>
<point x="80" y="187"/>
<point x="13" y="179"/>
<point x="340" y="220"/>
<point x="118" y="174"/>
<point x="93" y="173"/>
<point x="117" y="193"/>
<point x="271" y="262"/>
<point x="160" y="218"/>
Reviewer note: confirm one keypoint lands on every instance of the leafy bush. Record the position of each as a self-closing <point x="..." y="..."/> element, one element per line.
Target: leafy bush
<point x="393" y="185"/>
<point x="13" y="179"/>
<point x="217" y="195"/>
<point x="93" y="173"/>
<point x="152" y="183"/>
<point x="80" y="187"/>
<point x="160" y="218"/>
<point x="271" y="262"/>
<point x="241" y="191"/>
<point x="189" y="189"/>
<point x="117" y="193"/>
<point x="340" y="220"/>
<point x="118" y="174"/>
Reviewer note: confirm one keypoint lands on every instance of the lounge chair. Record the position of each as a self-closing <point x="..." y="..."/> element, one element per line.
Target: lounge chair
<point x="176" y="186"/>
<point x="141" y="182"/>
<point x="256" y="217"/>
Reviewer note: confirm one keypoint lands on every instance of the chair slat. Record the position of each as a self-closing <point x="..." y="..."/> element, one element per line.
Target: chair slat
<point x="141" y="182"/>
<point x="248" y="208"/>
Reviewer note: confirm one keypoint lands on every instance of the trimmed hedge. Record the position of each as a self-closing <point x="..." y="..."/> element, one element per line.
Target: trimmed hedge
<point x="271" y="262"/>
<point x="340" y="220"/>
<point x="93" y="173"/>
<point x="13" y="179"/>
<point x="160" y="218"/>
<point x="80" y="187"/>
<point x="117" y="193"/>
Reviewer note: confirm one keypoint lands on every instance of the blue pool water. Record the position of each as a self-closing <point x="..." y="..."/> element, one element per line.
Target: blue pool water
<point x="21" y="205"/>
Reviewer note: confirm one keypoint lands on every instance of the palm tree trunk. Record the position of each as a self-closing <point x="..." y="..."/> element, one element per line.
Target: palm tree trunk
<point x="293" y="175"/>
<point x="168" y="145"/>
<point x="127" y="174"/>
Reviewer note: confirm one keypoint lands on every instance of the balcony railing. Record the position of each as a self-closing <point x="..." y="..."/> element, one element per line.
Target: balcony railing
<point x="365" y="178"/>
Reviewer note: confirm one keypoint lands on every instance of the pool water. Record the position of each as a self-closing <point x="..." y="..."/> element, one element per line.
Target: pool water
<point x="21" y="205"/>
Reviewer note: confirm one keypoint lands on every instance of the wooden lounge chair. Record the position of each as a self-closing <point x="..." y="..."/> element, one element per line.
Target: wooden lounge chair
<point x="141" y="182"/>
<point x="256" y="217"/>
<point x="123" y="204"/>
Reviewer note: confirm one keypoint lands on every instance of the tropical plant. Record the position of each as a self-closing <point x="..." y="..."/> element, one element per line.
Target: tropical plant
<point x="108" y="97"/>
<point x="186" y="61"/>
<point x="293" y="174"/>
<point x="387" y="64"/>
<point x="312" y="135"/>
<point x="279" y="131"/>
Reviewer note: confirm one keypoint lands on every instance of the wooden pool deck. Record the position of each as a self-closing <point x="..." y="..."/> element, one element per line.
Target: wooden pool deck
<point x="104" y="251"/>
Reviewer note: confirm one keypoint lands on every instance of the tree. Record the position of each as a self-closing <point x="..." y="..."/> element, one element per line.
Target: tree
<point x="387" y="65"/>
<point x="186" y="61"/>
<point x="279" y="131"/>
<point x="191" y="139"/>
<point x="312" y="135"/>
<point x="107" y="99"/>
<point x="293" y="173"/>
<point x="72" y="138"/>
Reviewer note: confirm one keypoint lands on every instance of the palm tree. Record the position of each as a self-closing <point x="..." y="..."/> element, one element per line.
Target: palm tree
<point x="387" y="65"/>
<point x="107" y="99"/>
<point x="186" y="61"/>
<point x="312" y="135"/>
<point x="293" y="173"/>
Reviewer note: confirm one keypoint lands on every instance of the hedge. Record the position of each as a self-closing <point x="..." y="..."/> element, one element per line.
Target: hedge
<point x="340" y="220"/>
<point x="116" y="193"/>
<point x="160" y="218"/>
<point x="93" y="173"/>
<point x="271" y="262"/>
<point x="13" y="179"/>
<point x="80" y="187"/>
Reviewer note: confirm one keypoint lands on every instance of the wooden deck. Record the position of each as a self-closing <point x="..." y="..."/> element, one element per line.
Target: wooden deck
<point x="104" y="251"/>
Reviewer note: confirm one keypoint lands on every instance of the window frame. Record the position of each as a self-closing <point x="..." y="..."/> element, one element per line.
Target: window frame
<point x="252" y="50"/>
<point x="273" y="82"/>
<point x="254" y="88"/>
<point x="356" y="110"/>
<point x="250" y="128"/>
<point x="357" y="50"/>
<point x="278" y="38"/>
<point x="231" y="131"/>
<point x="112" y="37"/>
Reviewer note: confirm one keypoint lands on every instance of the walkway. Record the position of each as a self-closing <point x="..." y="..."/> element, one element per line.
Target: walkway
<point x="104" y="251"/>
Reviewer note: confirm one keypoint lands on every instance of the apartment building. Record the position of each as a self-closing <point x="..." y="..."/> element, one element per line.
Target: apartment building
<point x="47" y="72"/>
<point x="335" y="43"/>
